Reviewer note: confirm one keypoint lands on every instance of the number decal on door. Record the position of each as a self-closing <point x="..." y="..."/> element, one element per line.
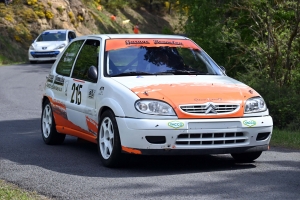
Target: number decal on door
<point x="77" y="93"/>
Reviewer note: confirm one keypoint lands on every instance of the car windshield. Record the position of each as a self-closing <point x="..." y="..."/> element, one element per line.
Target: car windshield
<point x="159" y="60"/>
<point x="52" y="36"/>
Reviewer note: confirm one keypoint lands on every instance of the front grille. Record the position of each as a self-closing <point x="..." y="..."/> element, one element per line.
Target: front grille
<point x="201" y="139"/>
<point x="209" y="108"/>
<point x="44" y="54"/>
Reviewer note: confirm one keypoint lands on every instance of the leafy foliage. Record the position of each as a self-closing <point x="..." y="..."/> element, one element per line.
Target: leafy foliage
<point x="258" y="42"/>
<point x="204" y="26"/>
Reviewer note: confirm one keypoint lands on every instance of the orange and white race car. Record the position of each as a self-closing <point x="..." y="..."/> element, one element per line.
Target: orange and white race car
<point x="151" y="94"/>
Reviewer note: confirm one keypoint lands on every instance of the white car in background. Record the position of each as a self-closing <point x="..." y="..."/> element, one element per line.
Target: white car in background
<point x="49" y="44"/>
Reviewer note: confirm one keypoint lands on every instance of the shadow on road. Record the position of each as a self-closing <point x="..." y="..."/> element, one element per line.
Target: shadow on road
<point x="21" y="142"/>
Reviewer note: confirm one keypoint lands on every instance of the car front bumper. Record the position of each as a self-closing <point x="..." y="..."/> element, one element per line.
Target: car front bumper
<point x="195" y="136"/>
<point x="43" y="55"/>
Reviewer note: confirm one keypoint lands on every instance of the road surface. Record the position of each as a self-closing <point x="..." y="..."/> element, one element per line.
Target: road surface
<point x="74" y="171"/>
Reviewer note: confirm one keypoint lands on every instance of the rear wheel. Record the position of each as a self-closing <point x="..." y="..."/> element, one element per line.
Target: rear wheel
<point x="109" y="144"/>
<point x="246" y="157"/>
<point x="49" y="133"/>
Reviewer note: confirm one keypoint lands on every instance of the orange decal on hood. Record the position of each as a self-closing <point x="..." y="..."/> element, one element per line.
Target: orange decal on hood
<point x="197" y="94"/>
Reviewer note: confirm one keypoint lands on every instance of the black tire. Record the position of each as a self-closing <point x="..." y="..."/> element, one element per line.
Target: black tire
<point x="49" y="133"/>
<point x="108" y="139"/>
<point x="33" y="62"/>
<point x="246" y="157"/>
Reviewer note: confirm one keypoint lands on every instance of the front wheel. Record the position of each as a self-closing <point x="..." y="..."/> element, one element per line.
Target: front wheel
<point x="109" y="144"/>
<point x="49" y="133"/>
<point x="246" y="157"/>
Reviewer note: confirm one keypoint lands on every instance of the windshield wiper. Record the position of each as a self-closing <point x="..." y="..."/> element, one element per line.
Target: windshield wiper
<point x="131" y="74"/>
<point x="164" y="73"/>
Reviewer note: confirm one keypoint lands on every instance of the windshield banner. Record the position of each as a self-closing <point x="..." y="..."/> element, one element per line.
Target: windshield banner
<point x="114" y="44"/>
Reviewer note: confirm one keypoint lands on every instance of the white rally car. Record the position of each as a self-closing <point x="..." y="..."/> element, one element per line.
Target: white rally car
<point x="49" y="44"/>
<point x="151" y="94"/>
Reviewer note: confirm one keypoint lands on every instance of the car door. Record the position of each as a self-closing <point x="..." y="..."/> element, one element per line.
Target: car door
<point x="81" y="104"/>
<point x="59" y="82"/>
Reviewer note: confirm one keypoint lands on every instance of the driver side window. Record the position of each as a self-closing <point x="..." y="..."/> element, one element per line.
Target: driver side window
<point x="66" y="62"/>
<point x="88" y="56"/>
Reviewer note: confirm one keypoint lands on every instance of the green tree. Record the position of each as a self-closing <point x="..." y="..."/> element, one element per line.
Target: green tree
<point x="258" y="42"/>
<point x="204" y="26"/>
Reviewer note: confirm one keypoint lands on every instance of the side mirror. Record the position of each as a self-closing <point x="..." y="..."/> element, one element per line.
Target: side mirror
<point x="93" y="74"/>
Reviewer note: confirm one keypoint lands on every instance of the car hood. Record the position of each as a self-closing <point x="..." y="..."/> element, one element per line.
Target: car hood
<point x="190" y="90"/>
<point x="46" y="46"/>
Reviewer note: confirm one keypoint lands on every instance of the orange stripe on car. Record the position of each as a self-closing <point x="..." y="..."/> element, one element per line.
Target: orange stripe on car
<point x="131" y="150"/>
<point x="92" y="125"/>
<point x="63" y="125"/>
<point x="208" y="92"/>
<point x="80" y="134"/>
<point x="81" y="81"/>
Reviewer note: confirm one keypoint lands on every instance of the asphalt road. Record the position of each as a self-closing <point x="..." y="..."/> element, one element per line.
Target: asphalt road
<point x="74" y="171"/>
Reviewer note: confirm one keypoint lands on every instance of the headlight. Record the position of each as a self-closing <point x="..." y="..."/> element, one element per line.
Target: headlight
<point x="60" y="46"/>
<point x="153" y="107"/>
<point x="31" y="47"/>
<point x="256" y="104"/>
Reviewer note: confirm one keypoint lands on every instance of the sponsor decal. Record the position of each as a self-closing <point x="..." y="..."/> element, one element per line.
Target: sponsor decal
<point x="176" y="124"/>
<point x="101" y="90"/>
<point x="129" y="42"/>
<point x="91" y="93"/>
<point x="70" y="54"/>
<point x="69" y="57"/>
<point x="167" y="42"/>
<point x="59" y="108"/>
<point x="92" y="125"/>
<point x="208" y="99"/>
<point x="54" y="87"/>
<point x="249" y="122"/>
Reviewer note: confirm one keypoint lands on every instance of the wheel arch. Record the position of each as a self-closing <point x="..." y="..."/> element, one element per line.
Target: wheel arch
<point x="48" y="95"/>
<point x="113" y="105"/>
<point x="44" y="99"/>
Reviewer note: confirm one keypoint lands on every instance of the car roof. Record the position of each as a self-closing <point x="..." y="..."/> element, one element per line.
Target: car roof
<point x="132" y="36"/>
<point x="57" y="30"/>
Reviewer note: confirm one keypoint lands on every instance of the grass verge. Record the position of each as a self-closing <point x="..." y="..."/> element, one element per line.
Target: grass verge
<point x="284" y="138"/>
<point x="10" y="191"/>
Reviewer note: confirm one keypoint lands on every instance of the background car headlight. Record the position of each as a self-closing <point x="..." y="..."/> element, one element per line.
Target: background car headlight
<point x="60" y="46"/>
<point x="256" y="104"/>
<point x="154" y="107"/>
<point x="31" y="47"/>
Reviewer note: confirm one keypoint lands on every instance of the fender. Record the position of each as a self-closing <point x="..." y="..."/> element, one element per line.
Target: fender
<point x="47" y="94"/>
<point x="112" y="104"/>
